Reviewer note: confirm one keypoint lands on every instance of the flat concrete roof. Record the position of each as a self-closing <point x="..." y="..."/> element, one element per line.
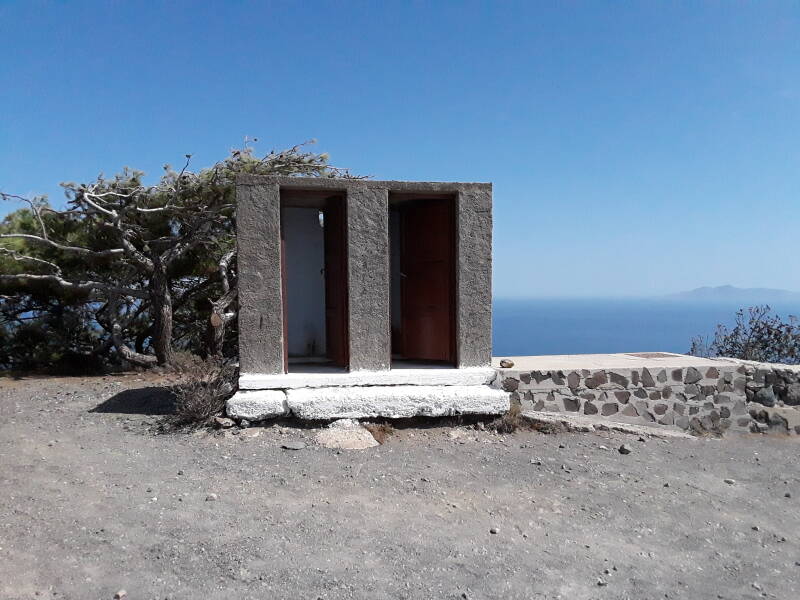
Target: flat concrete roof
<point x="632" y="360"/>
<point x="342" y="183"/>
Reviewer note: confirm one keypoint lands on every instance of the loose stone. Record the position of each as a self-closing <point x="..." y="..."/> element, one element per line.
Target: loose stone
<point x="293" y="445"/>
<point x="224" y="422"/>
<point x="625" y="449"/>
<point x="730" y="481"/>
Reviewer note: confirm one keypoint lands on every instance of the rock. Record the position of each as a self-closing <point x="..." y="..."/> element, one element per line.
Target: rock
<point x="493" y="530"/>
<point x="293" y="445"/>
<point x="765" y="396"/>
<point x="791" y="396"/>
<point x="244" y="423"/>
<point x="601" y="582"/>
<point x="609" y="408"/>
<point x="625" y="449"/>
<point x="787" y="495"/>
<point x="349" y="434"/>
<point x="120" y="594"/>
<point x="506" y="363"/>
<point x="692" y="376"/>
<point x="510" y="384"/>
<point x="211" y="497"/>
<point x="730" y="481"/>
<point x="224" y="422"/>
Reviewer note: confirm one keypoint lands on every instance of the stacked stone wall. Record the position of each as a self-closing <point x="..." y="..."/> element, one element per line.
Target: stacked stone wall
<point x="708" y="399"/>
<point x="773" y="395"/>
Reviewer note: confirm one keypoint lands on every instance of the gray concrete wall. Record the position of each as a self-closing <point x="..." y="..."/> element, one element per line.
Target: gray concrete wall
<point x="474" y="275"/>
<point x="368" y="277"/>
<point x="259" y="261"/>
<point x="368" y="268"/>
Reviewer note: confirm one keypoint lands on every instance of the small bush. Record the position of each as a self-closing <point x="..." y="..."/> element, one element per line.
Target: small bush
<point x="205" y="386"/>
<point x="380" y="431"/>
<point x="758" y="335"/>
<point x="511" y="421"/>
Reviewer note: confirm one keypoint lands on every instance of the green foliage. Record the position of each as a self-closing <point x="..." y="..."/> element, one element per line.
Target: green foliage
<point x="131" y="249"/>
<point x="758" y="335"/>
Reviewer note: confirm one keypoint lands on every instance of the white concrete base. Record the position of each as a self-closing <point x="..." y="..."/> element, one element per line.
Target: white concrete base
<point x="582" y="423"/>
<point x="257" y="405"/>
<point x="404" y="376"/>
<point x="395" y="402"/>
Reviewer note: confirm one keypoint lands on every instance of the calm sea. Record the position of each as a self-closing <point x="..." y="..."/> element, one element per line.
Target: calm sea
<point x="582" y="326"/>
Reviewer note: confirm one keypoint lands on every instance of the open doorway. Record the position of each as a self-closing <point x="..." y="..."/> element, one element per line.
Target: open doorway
<point x="314" y="280"/>
<point x="422" y="267"/>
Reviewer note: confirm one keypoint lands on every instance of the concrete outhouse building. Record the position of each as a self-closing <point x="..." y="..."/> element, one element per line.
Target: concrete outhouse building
<point x="363" y="298"/>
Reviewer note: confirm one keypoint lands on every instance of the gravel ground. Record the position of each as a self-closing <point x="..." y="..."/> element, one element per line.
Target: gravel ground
<point x="93" y="500"/>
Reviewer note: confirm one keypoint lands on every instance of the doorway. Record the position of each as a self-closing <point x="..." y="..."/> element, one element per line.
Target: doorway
<point x="422" y="267"/>
<point x="314" y="281"/>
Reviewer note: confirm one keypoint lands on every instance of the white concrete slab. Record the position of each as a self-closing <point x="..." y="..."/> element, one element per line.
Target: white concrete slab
<point x="399" y="401"/>
<point x="326" y="377"/>
<point x="633" y="360"/>
<point x="257" y="405"/>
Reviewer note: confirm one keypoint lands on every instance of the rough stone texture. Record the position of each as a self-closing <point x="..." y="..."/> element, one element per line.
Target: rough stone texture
<point x="655" y="396"/>
<point x="258" y="230"/>
<point x="257" y="405"/>
<point x="474" y="275"/>
<point x="346" y="434"/>
<point x="259" y="260"/>
<point x="395" y="401"/>
<point x="732" y="395"/>
<point x="444" y="376"/>
<point x="773" y="394"/>
<point x="368" y="277"/>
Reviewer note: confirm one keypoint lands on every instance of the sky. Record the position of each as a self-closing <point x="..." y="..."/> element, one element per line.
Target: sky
<point x="635" y="148"/>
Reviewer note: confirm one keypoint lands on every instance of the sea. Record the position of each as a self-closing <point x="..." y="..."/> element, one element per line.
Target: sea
<point x="588" y="326"/>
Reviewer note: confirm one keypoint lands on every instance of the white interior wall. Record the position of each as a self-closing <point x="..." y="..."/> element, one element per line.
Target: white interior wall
<point x="305" y="281"/>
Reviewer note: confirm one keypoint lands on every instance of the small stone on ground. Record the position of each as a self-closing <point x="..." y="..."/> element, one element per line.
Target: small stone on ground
<point x="293" y="445"/>
<point x="346" y="434"/>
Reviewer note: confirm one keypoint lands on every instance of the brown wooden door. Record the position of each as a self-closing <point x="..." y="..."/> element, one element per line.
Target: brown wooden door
<point x="427" y="256"/>
<point x="336" y="339"/>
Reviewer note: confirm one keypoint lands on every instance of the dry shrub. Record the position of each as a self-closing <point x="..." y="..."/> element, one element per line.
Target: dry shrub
<point x="511" y="421"/>
<point x="205" y="386"/>
<point x="380" y="431"/>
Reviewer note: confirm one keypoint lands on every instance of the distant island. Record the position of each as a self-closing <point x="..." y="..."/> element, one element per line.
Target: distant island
<point x="729" y="293"/>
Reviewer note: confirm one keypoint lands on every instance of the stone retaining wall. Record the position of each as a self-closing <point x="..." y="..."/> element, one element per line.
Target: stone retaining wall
<point x="773" y="394"/>
<point x="701" y="399"/>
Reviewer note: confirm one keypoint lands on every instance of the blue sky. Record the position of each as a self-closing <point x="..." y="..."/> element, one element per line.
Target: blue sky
<point x="635" y="148"/>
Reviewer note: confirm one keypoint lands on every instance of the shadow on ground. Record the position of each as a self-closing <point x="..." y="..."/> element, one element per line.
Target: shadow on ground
<point x="141" y="401"/>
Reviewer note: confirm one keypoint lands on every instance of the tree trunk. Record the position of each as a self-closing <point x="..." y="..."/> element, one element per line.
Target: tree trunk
<point x="161" y="298"/>
<point x="216" y="334"/>
<point x="215" y="331"/>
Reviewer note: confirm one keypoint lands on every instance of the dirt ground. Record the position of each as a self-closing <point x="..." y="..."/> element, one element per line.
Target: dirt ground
<point x="93" y="500"/>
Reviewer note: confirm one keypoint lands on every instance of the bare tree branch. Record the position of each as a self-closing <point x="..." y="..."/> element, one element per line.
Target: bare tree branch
<point x="96" y="290"/>
<point x="24" y="257"/>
